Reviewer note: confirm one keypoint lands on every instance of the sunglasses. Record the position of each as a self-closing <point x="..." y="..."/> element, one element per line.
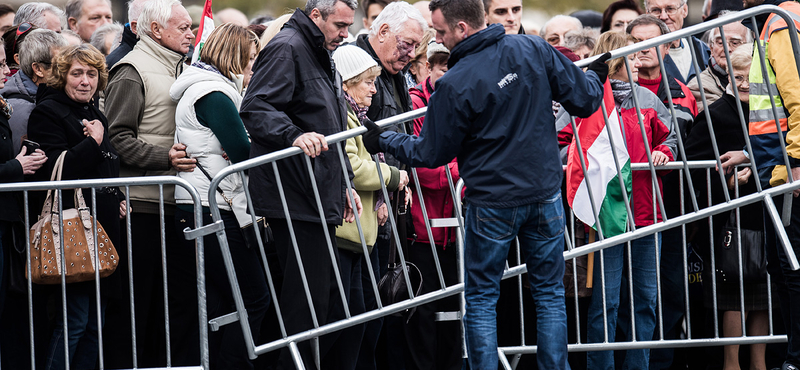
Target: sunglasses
<point x="21" y="30"/>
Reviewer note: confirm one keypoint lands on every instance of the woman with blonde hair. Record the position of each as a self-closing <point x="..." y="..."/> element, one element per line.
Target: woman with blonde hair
<point x="207" y="122"/>
<point x="611" y="264"/>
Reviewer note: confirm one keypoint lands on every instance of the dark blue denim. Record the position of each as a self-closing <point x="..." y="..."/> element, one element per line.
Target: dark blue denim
<point x="81" y="329"/>
<point x="614" y="271"/>
<point x="489" y="233"/>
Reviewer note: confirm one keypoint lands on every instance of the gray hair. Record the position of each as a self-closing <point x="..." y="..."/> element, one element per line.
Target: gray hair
<point x="396" y="15"/>
<point x="75" y="7"/>
<point x="34" y="14"/>
<point x="560" y="18"/>
<point x="714" y="31"/>
<point x="100" y="34"/>
<point x="587" y="36"/>
<point x="159" y="11"/>
<point x="647" y="6"/>
<point x="647" y="19"/>
<point x="326" y="7"/>
<point x="37" y="47"/>
<point x="134" y="9"/>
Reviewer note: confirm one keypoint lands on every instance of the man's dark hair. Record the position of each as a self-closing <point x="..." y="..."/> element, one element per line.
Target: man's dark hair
<point x="439" y="59"/>
<point x="469" y="11"/>
<point x="366" y="3"/>
<point x="486" y="5"/>
<point x="5" y="9"/>
<point x="647" y="19"/>
<point x="326" y="7"/>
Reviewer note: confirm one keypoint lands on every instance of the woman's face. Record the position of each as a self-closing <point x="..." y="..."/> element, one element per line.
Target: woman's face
<point x="248" y="72"/>
<point x="362" y="92"/>
<point x="4" y="71"/>
<point x="741" y="79"/>
<point x="621" y="18"/>
<point x="635" y="63"/>
<point x="81" y="82"/>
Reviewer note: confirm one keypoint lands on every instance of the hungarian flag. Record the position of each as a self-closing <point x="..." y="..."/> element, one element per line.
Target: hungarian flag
<point x="601" y="173"/>
<point x="206" y="27"/>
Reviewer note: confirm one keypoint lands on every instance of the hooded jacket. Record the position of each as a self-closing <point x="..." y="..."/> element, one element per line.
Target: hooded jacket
<point x="126" y="44"/>
<point x="296" y="89"/>
<point x="435" y="186"/>
<point x="660" y="134"/>
<point x="23" y="100"/>
<point x="492" y="111"/>
<point x="201" y="143"/>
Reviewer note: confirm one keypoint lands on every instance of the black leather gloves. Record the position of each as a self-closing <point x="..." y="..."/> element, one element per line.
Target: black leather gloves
<point x="600" y="67"/>
<point x="372" y="137"/>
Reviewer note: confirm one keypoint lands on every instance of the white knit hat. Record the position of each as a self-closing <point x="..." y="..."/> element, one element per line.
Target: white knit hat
<point x="352" y="61"/>
<point x="435" y="47"/>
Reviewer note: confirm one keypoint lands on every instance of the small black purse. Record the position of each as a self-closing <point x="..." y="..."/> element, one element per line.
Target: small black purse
<point x="726" y="254"/>
<point x="392" y="287"/>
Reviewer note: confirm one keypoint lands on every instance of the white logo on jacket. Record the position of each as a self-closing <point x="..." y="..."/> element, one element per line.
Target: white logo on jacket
<point x="509" y="78"/>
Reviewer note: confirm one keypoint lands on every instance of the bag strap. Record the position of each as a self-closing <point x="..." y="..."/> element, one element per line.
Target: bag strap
<point x="203" y="170"/>
<point x="55" y="175"/>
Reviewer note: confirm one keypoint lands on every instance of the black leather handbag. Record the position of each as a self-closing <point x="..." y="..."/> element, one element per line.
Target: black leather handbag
<point x="392" y="286"/>
<point x="726" y="253"/>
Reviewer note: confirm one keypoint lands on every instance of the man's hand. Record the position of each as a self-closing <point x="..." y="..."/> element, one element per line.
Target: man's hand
<point x="408" y="198"/>
<point x="732" y="159"/>
<point x="178" y="159"/>
<point x="600" y="67"/>
<point x="659" y="158"/>
<point x="31" y="163"/>
<point x="372" y="137"/>
<point x="349" y="216"/>
<point x="742" y="177"/>
<point x="795" y="177"/>
<point x="383" y="214"/>
<point x="312" y="143"/>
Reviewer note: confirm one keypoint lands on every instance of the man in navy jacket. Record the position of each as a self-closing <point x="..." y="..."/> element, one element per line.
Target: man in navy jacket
<point x="492" y="111"/>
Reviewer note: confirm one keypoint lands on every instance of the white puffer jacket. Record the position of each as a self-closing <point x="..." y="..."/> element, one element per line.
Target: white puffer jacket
<point x="201" y="143"/>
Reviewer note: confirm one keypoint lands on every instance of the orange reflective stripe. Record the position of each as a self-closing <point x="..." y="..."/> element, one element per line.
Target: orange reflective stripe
<point x="767" y="127"/>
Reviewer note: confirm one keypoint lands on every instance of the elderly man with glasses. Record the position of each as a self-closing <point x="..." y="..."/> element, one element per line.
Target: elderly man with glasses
<point x="679" y="62"/>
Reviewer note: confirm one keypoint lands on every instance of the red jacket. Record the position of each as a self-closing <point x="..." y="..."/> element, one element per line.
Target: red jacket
<point x="435" y="188"/>
<point x="661" y="136"/>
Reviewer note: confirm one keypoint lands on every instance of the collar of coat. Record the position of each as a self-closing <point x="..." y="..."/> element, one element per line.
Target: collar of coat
<point x="476" y="42"/>
<point x="314" y="37"/>
<point x="674" y="89"/>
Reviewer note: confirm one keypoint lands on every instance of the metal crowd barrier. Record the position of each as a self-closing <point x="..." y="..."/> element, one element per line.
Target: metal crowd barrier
<point x="124" y="184"/>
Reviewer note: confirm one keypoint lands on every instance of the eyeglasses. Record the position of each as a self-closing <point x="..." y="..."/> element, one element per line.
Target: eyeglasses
<point x="21" y="30"/>
<point x="732" y="43"/>
<point x="670" y="10"/>
<point x="739" y="78"/>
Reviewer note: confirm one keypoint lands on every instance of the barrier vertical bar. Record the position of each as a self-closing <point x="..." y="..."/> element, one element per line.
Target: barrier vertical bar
<point x="129" y="235"/>
<point x="29" y="286"/>
<point x="97" y="266"/>
<point x="163" y="237"/>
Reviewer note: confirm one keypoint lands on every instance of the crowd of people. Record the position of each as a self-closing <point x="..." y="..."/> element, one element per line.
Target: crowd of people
<point x="97" y="99"/>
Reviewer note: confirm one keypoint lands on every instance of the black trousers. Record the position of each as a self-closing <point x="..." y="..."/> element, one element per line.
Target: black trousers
<point x="324" y="291"/>
<point x="433" y="344"/>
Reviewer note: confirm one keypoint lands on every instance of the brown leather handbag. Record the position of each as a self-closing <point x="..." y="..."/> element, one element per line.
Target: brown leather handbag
<point x="76" y="225"/>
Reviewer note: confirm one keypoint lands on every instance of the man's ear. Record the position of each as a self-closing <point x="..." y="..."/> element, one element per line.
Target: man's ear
<point x="16" y="58"/>
<point x="155" y="30"/>
<point x="134" y="27"/>
<point x="72" y="23"/>
<point x="38" y="70"/>
<point x="315" y="15"/>
<point x="383" y="32"/>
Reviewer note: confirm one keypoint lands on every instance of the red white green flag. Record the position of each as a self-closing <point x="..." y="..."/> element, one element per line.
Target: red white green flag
<point x="206" y="27"/>
<point x="601" y="172"/>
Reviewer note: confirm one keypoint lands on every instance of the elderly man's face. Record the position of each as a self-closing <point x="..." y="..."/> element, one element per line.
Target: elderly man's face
<point x="397" y="48"/>
<point x="556" y="31"/>
<point x="507" y="13"/>
<point x="94" y="14"/>
<point x="735" y="35"/>
<point x="177" y="35"/>
<point x="671" y="12"/>
<point x="649" y="57"/>
<point x="335" y="26"/>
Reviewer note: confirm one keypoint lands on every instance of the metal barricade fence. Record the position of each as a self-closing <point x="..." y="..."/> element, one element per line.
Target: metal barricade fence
<point x="683" y="166"/>
<point x="35" y="293"/>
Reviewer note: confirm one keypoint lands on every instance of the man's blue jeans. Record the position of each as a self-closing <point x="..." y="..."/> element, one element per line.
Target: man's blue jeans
<point x="645" y="294"/>
<point x="489" y="233"/>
